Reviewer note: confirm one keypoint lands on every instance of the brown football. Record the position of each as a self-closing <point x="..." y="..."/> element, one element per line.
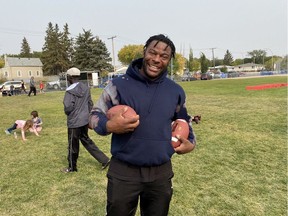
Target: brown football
<point x="130" y="112"/>
<point x="179" y="127"/>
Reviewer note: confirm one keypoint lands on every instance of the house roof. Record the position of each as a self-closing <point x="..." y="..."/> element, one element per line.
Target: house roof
<point x="20" y="62"/>
<point x="249" y="65"/>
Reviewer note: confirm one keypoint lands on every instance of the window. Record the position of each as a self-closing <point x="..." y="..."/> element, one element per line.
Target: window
<point x="37" y="73"/>
<point x="19" y="73"/>
<point x="6" y="74"/>
<point x="30" y="73"/>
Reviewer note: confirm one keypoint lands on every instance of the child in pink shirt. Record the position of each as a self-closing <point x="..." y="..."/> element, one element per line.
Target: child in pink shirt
<point x="24" y="126"/>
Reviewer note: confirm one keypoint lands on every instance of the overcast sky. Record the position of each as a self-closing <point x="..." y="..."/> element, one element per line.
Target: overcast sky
<point x="237" y="25"/>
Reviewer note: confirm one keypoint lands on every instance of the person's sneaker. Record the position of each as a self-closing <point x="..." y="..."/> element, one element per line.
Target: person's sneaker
<point x="68" y="170"/>
<point x="7" y="132"/>
<point x="105" y="165"/>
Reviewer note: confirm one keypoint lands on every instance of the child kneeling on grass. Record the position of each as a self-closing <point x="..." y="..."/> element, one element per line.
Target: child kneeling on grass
<point x="24" y="126"/>
<point x="37" y="122"/>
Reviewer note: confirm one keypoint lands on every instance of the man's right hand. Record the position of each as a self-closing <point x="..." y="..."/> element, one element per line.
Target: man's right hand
<point x="119" y="124"/>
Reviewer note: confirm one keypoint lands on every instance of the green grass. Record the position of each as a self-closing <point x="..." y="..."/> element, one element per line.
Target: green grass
<point x="238" y="168"/>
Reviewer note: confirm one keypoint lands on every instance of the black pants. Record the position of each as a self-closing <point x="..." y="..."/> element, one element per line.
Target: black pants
<point x="14" y="126"/>
<point x="32" y="89"/>
<point x="81" y="133"/>
<point x="152" y="185"/>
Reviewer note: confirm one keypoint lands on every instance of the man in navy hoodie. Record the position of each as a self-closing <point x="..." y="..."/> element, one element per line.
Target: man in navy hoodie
<point x="141" y="147"/>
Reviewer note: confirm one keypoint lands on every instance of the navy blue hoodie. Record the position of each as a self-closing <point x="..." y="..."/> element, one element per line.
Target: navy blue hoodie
<point x="157" y="102"/>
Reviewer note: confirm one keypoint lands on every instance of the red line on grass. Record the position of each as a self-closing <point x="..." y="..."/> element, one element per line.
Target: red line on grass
<point x="266" y="86"/>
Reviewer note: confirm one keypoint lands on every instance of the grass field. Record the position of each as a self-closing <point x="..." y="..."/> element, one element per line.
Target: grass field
<point x="238" y="168"/>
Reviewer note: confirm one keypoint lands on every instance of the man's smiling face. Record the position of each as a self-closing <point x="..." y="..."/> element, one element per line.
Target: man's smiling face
<point x="156" y="59"/>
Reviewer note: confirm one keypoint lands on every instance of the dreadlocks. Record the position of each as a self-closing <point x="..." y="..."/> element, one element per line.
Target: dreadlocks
<point x="163" y="39"/>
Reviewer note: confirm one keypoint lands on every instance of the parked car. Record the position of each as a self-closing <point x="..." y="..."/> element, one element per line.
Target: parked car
<point x="187" y="76"/>
<point x="206" y="76"/>
<point x="6" y="85"/>
<point x="56" y="85"/>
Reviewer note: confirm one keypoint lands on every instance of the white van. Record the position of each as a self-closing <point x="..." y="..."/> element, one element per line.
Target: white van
<point x="6" y="85"/>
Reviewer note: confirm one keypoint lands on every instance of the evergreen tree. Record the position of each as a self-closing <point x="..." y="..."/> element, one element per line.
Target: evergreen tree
<point x="228" y="59"/>
<point x="54" y="56"/>
<point x="48" y="51"/>
<point x="68" y="47"/>
<point x="91" y="53"/>
<point x="25" y="49"/>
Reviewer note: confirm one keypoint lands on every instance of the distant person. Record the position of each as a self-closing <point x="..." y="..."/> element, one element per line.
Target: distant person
<point x="41" y="86"/>
<point x="37" y="122"/>
<point x="11" y="92"/>
<point x="32" y="86"/>
<point x="23" y="87"/>
<point x="23" y="125"/>
<point x="141" y="169"/>
<point x="77" y="105"/>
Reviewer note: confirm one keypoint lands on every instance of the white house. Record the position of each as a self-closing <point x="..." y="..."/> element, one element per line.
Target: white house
<point x="248" y="67"/>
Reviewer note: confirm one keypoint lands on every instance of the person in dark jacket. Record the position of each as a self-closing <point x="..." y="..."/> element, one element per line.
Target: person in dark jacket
<point x="77" y="105"/>
<point x="141" y="149"/>
<point x="32" y="86"/>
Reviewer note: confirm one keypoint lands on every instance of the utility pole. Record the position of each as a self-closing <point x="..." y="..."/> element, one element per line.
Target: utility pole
<point x="213" y="56"/>
<point x="113" y="51"/>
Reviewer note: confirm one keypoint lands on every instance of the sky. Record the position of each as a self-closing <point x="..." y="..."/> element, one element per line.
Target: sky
<point x="239" y="26"/>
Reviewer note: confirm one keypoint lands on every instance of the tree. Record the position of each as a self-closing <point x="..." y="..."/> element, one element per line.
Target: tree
<point x="204" y="63"/>
<point x="2" y="62"/>
<point x="25" y="49"/>
<point x="130" y="52"/>
<point x="228" y="58"/>
<point x="179" y="64"/>
<point x="68" y="47"/>
<point x="283" y="65"/>
<point x="190" y="61"/>
<point x="217" y="61"/>
<point x="54" y="56"/>
<point x="257" y="56"/>
<point x="269" y="64"/>
<point x="193" y="64"/>
<point x="91" y="53"/>
<point x="196" y="65"/>
<point x="237" y="62"/>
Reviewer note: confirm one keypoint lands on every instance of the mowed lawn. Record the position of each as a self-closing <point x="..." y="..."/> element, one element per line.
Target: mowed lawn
<point x="238" y="168"/>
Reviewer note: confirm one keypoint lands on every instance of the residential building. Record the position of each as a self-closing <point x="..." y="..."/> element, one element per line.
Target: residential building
<point x="248" y="67"/>
<point x="21" y="68"/>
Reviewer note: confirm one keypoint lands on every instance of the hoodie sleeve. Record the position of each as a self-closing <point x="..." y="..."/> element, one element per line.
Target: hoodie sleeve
<point x="90" y="102"/>
<point x="182" y="113"/>
<point x="98" y="118"/>
<point x="69" y="103"/>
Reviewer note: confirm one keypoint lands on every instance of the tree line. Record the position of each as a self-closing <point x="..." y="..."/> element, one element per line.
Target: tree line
<point x="61" y="51"/>
<point x="89" y="53"/>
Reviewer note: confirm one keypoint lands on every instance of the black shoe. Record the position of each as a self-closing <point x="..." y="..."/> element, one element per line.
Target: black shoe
<point x="105" y="165"/>
<point x="68" y="170"/>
